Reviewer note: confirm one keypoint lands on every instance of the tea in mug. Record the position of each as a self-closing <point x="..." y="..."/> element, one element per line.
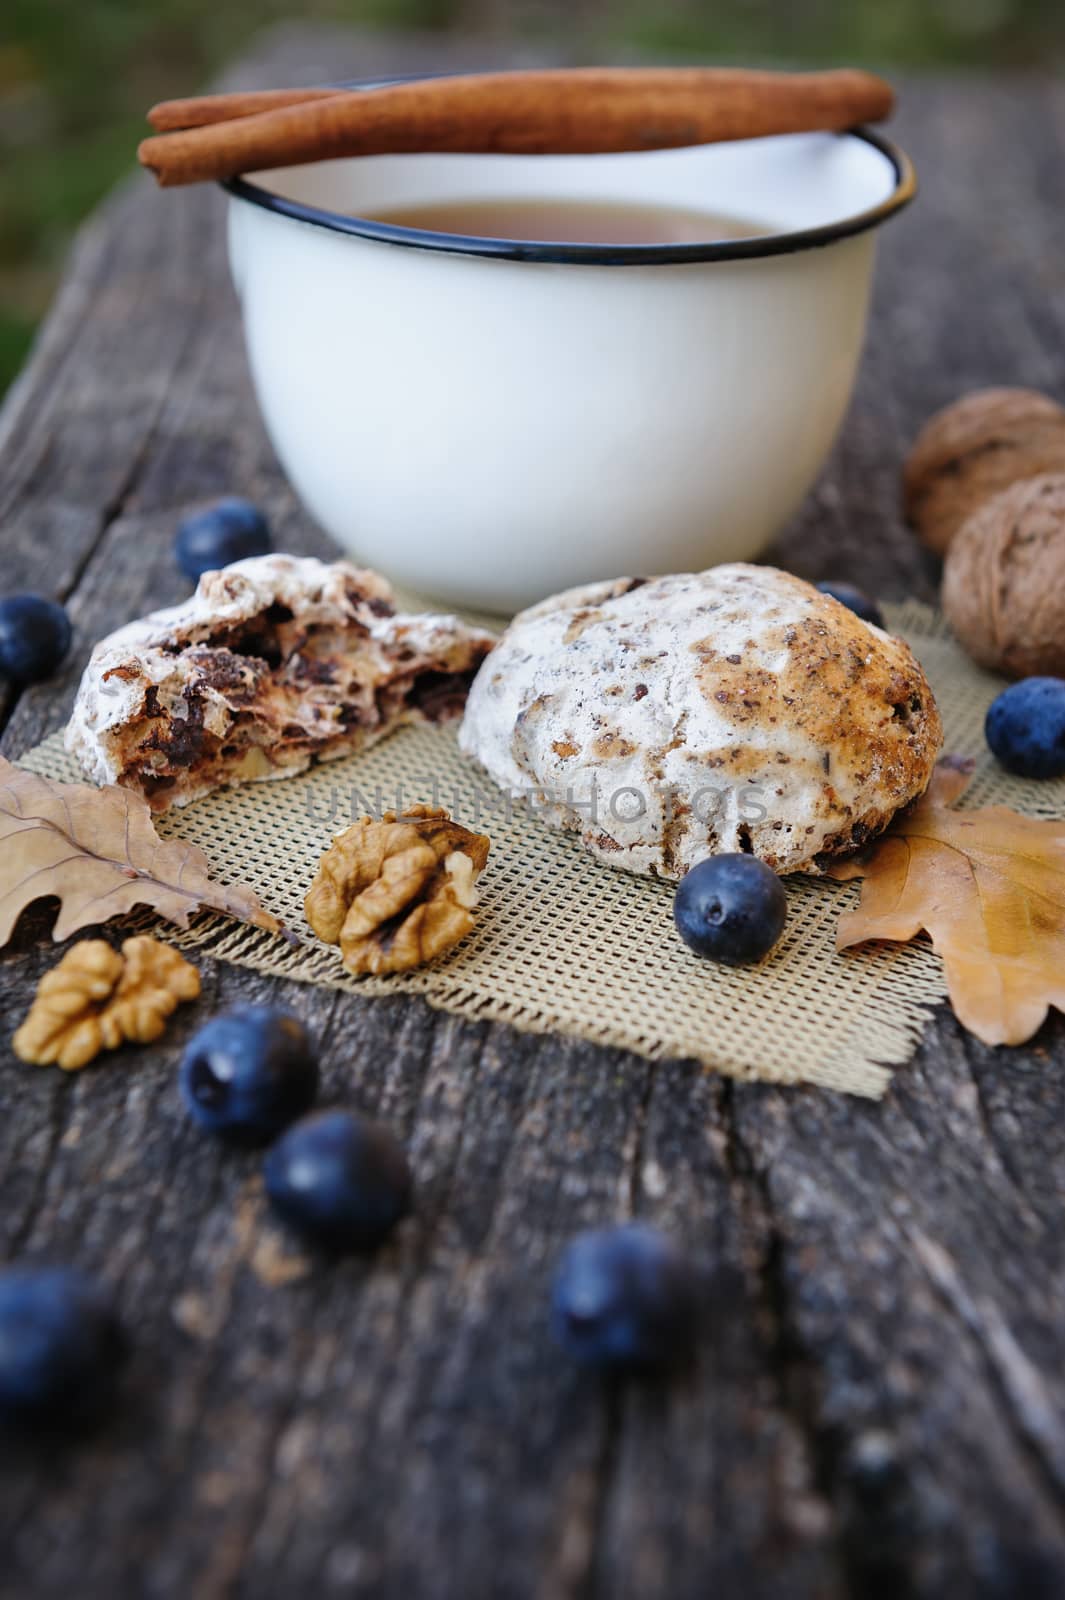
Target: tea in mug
<point x="565" y="221"/>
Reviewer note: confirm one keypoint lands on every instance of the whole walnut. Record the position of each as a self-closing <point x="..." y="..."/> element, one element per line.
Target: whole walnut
<point x="1004" y="580"/>
<point x="973" y="449"/>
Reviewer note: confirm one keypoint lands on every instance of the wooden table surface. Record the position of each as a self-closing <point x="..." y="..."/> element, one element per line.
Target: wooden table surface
<point x="879" y="1403"/>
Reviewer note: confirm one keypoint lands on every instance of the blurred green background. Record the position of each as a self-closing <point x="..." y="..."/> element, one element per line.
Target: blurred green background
<point x="77" y="75"/>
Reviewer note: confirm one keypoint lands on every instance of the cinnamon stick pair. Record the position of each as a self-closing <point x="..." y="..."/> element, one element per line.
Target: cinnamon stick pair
<point x="560" y="112"/>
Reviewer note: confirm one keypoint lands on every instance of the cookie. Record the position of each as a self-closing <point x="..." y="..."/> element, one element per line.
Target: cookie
<point x="672" y="718"/>
<point x="273" y="663"/>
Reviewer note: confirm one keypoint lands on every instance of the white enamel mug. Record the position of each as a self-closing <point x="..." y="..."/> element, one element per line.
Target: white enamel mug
<point x="489" y="421"/>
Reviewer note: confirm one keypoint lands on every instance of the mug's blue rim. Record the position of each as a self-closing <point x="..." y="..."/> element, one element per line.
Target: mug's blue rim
<point x="627" y="255"/>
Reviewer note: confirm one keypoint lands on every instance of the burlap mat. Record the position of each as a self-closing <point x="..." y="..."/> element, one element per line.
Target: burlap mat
<point x="565" y="944"/>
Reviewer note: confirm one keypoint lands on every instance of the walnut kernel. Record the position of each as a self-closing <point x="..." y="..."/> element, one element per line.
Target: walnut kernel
<point x="96" y="999"/>
<point x="396" y="893"/>
<point x="155" y="980"/>
<point x="972" y="450"/>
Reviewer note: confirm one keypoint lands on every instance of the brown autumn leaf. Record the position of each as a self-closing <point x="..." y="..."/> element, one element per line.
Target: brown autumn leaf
<point x="98" y="852"/>
<point x="988" y="886"/>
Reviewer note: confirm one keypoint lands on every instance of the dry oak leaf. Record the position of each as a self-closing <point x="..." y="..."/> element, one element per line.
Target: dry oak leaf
<point x="98" y="852"/>
<point x="96" y="999"/>
<point x="397" y="893"/>
<point x="988" y="886"/>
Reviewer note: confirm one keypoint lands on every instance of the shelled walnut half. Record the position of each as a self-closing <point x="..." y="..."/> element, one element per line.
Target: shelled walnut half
<point x="96" y="999"/>
<point x="395" y="894"/>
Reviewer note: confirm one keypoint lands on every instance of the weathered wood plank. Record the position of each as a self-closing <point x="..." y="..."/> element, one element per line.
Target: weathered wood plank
<point x="878" y="1405"/>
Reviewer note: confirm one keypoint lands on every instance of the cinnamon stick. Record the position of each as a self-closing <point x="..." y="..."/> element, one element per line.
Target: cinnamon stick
<point x="563" y="112"/>
<point x="201" y="111"/>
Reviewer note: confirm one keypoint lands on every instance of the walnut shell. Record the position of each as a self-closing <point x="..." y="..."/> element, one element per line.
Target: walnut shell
<point x="1004" y="580"/>
<point x="972" y="450"/>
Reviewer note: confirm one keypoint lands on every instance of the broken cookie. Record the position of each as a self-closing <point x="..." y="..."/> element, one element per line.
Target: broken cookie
<point x="395" y="894"/>
<point x="273" y="663"/>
